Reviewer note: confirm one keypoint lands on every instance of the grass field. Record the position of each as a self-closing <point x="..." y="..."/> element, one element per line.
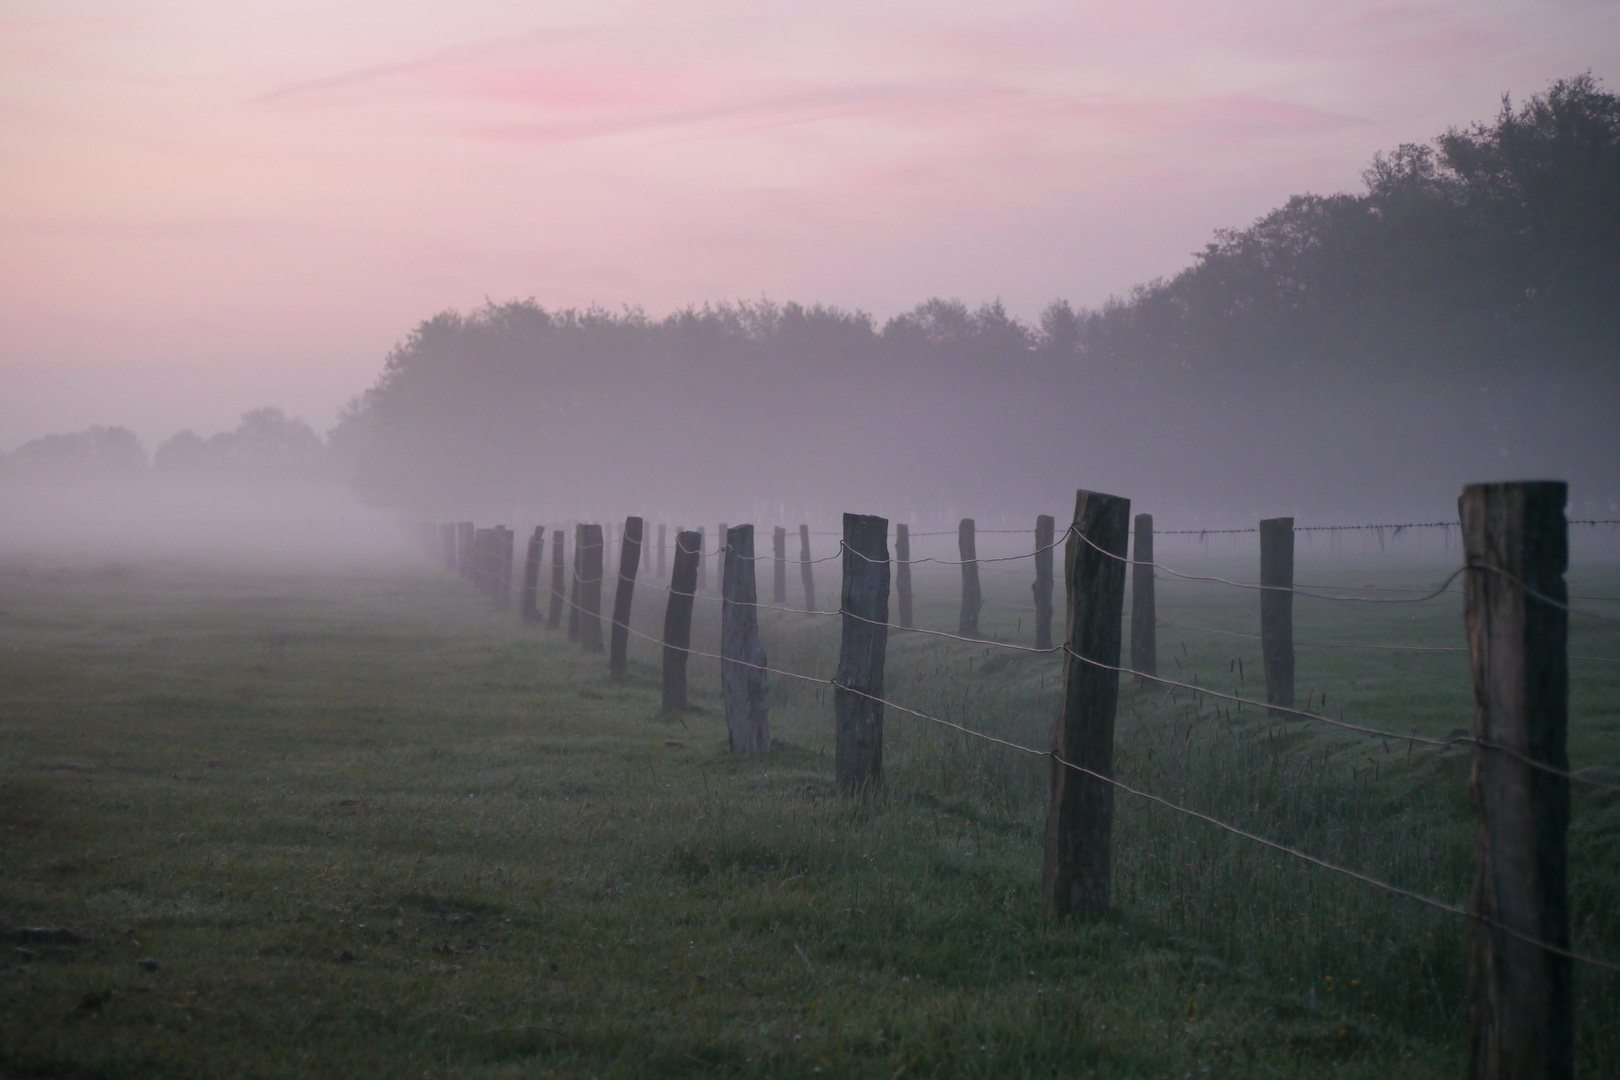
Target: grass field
<point x="352" y="821"/>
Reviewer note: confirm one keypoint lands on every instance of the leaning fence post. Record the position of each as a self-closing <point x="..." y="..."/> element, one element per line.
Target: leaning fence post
<point x="744" y="687"/>
<point x="528" y="600"/>
<point x="559" y="579"/>
<point x="590" y="588"/>
<point x="902" y="572"/>
<point x="858" y="750"/>
<point x="1277" y="609"/>
<point x="779" y="556"/>
<point x="1080" y="817"/>
<point x="1144" y="613"/>
<point x="806" y="571"/>
<point x="629" y="560"/>
<point x="972" y="598"/>
<point x="1521" y="1005"/>
<point x="1045" y="529"/>
<point x="678" y="618"/>
<point x="573" y="583"/>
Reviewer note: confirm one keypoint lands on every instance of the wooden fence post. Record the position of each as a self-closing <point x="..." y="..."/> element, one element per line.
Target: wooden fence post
<point x="972" y="598"/>
<point x="447" y="541"/>
<point x="528" y="601"/>
<point x="1045" y="530"/>
<point x="703" y="565"/>
<point x="573" y="583"/>
<point x="505" y="539"/>
<point x="720" y="561"/>
<point x="806" y="571"/>
<point x="482" y="577"/>
<point x="1144" y="605"/>
<point x="678" y="618"/>
<point x="663" y="566"/>
<point x="902" y="571"/>
<point x="559" y="579"/>
<point x="1521" y="997"/>
<point x="629" y="560"/>
<point x="858" y="749"/>
<point x="779" y="555"/>
<point x="1277" y="610"/>
<point x="590" y="588"/>
<point x="465" y="531"/>
<point x="1080" y="817"/>
<point x="744" y="686"/>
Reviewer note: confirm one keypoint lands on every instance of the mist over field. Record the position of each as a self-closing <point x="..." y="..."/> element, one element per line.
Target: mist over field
<point x="848" y="540"/>
<point x="1348" y="358"/>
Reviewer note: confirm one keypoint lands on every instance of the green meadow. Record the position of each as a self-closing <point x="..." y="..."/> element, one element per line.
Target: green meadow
<point x="353" y="821"/>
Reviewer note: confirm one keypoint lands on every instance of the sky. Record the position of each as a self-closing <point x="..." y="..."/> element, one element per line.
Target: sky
<point x="208" y="207"/>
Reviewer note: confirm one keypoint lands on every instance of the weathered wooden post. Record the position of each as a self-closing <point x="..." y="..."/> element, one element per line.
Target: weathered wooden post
<point x="559" y="578"/>
<point x="779" y="564"/>
<point x="703" y="566"/>
<point x="902" y="571"/>
<point x="744" y="686"/>
<point x="505" y="539"/>
<point x="972" y="598"/>
<point x="1144" y="606"/>
<point x="662" y="565"/>
<point x="1045" y="529"/>
<point x="1277" y="610"/>
<point x="481" y="575"/>
<point x="629" y="560"/>
<point x="858" y="746"/>
<point x="573" y="583"/>
<point x="806" y="571"/>
<point x="590" y="588"/>
<point x="678" y="618"/>
<point x="447" y="541"/>
<point x="1521" y="996"/>
<point x="465" y="531"/>
<point x="1080" y="817"/>
<point x="528" y="600"/>
<point x="720" y="561"/>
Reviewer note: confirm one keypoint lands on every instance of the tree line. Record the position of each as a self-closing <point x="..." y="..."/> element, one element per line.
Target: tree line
<point x="267" y="445"/>
<point x="1457" y="319"/>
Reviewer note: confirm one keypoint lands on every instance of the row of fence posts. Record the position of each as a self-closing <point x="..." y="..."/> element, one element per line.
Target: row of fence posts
<point x="1516" y="549"/>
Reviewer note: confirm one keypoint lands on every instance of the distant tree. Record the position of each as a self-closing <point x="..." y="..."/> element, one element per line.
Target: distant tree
<point x="186" y="454"/>
<point x="266" y="445"/>
<point x="98" y="453"/>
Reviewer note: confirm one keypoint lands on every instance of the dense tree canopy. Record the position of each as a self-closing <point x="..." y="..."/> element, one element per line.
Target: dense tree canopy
<point x="1458" y="319"/>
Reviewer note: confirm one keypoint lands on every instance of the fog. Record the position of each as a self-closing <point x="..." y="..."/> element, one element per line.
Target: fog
<point x="1344" y="359"/>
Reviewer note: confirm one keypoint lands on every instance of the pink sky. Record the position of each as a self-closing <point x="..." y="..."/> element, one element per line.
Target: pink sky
<point x="208" y="207"/>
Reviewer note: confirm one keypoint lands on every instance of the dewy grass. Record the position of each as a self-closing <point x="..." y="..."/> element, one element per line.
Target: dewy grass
<point x="361" y="824"/>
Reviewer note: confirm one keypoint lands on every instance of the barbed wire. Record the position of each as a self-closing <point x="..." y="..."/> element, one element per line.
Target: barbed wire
<point x="1319" y="644"/>
<point x="1293" y="590"/>
<point x="1347" y="725"/>
<point x="1244" y="833"/>
<point x="1543" y="597"/>
<point x="1314" y="860"/>
<point x="1304" y="714"/>
<point x="1358" y="645"/>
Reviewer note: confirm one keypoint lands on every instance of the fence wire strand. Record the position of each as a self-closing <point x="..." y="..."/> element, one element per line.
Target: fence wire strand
<point x="1388" y="887"/>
